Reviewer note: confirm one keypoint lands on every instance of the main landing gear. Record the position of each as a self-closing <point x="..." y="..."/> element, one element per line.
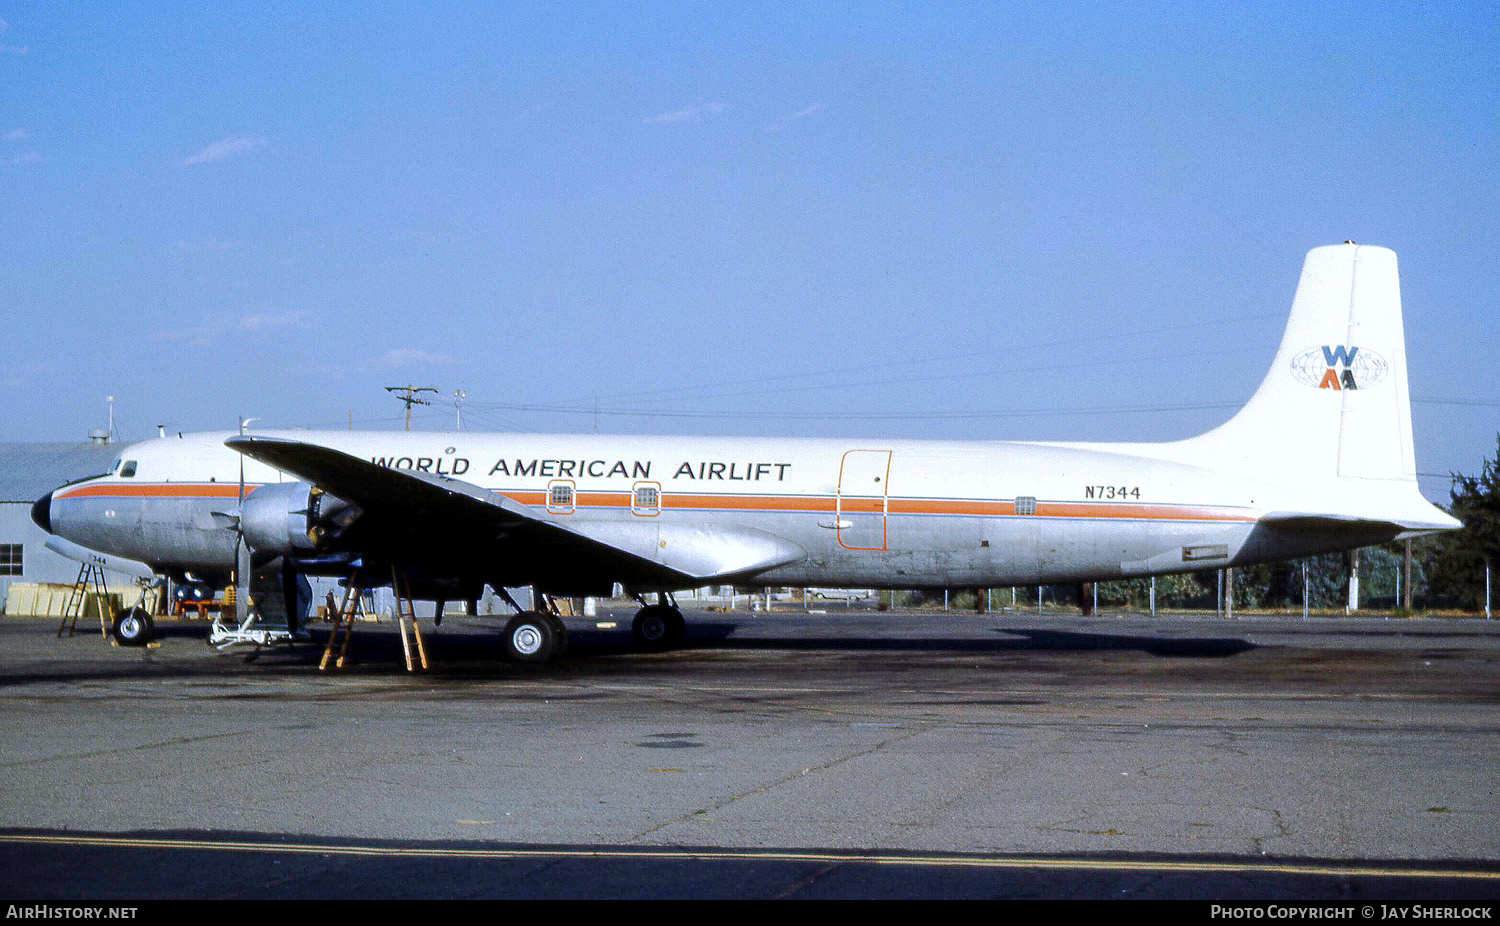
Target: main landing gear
<point x="658" y="627"/>
<point x="534" y="635"/>
<point x="539" y="636"/>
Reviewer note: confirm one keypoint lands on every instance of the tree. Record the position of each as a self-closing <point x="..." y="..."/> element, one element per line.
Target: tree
<point x="1458" y="567"/>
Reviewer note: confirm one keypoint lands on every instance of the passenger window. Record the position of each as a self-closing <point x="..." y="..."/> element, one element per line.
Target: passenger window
<point x="646" y="499"/>
<point x="560" y="497"/>
<point x="128" y="469"/>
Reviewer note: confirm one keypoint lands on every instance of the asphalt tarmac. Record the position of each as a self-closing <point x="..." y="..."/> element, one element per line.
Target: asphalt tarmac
<point x="848" y="754"/>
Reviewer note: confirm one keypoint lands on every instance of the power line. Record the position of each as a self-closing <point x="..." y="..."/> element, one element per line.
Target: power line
<point x="1032" y="347"/>
<point x="902" y="381"/>
<point x="1477" y="403"/>
<point x="865" y="416"/>
<point x="408" y="394"/>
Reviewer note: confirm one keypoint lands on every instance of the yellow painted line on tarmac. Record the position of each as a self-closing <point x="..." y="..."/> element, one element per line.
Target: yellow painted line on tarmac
<point x="1014" y="862"/>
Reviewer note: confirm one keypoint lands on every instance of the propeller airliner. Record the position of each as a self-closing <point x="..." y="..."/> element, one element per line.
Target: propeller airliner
<point x="1320" y="459"/>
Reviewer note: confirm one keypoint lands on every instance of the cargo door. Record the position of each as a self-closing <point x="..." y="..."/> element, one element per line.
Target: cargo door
<point x="862" y="504"/>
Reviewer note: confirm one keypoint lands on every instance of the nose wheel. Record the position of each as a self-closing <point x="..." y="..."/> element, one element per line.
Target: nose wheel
<point x="658" y="627"/>
<point x="133" y="627"/>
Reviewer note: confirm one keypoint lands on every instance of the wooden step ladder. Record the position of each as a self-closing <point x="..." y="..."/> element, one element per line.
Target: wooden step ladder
<point x="90" y="581"/>
<point x="406" y="609"/>
<point x="353" y="607"/>
<point x="348" y="611"/>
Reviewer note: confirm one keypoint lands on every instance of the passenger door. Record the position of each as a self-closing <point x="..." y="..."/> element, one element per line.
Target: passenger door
<point x="862" y="504"/>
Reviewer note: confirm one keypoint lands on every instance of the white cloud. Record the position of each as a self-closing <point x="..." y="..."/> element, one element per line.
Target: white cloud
<point x="383" y="364"/>
<point x="186" y="245"/>
<point x="267" y="321"/>
<point x="407" y="356"/>
<point x="687" y="114"/>
<point x="799" y="114"/>
<point x="235" y="144"/>
<point x="13" y="49"/>
<point x="19" y="134"/>
<point x="226" y="328"/>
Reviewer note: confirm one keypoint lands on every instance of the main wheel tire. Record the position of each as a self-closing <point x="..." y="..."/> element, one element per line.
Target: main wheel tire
<point x="133" y="627"/>
<point x="561" y="630"/>
<point x="531" y="637"/>
<point x="657" y="627"/>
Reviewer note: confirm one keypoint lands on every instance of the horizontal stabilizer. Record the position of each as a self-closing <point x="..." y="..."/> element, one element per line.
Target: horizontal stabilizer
<point x="1327" y="522"/>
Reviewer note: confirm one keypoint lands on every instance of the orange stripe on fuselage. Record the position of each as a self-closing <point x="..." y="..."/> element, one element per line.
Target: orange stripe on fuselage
<point x="158" y="490"/>
<point x="787" y="503"/>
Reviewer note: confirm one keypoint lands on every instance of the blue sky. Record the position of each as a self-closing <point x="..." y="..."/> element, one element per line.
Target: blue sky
<point x="917" y="220"/>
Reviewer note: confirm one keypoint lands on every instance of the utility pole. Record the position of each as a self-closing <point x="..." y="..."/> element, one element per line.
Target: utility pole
<point x="1305" y="590"/>
<point x="1353" y="604"/>
<point x="408" y="394"/>
<point x="1406" y="592"/>
<point x="458" y="401"/>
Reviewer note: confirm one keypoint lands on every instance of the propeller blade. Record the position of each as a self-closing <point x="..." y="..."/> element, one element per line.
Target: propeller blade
<point x="291" y="594"/>
<point x="241" y="552"/>
<point x="241" y="580"/>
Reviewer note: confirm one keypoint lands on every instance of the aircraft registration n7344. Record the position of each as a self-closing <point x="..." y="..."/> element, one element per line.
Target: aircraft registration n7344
<point x="1320" y="459"/>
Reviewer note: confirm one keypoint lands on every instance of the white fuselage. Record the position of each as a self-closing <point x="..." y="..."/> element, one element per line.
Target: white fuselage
<point x="893" y="513"/>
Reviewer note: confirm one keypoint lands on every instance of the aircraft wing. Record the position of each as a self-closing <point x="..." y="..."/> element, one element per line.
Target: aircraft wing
<point x="409" y="514"/>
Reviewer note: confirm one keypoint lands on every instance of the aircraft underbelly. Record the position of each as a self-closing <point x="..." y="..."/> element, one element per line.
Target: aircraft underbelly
<point x="924" y="551"/>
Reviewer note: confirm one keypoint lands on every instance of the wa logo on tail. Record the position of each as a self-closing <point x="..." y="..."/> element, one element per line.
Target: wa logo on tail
<point x="1339" y="367"/>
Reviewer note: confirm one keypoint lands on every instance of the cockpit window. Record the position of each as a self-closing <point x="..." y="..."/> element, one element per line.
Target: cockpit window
<point x="128" y="469"/>
<point x="115" y="466"/>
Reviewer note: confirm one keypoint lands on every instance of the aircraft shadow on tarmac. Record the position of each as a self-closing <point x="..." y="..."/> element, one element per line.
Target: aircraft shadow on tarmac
<point x="473" y="650"/>
<point x="720" y="635"/>
<point x="710" y="636"/>
<point x="383" y="643"/>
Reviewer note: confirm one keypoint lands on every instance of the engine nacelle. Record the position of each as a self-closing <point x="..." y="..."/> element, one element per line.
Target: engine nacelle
<point x="290" y="518"/>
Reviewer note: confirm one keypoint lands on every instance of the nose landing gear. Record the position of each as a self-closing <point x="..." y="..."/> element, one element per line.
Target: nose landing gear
<point x="133" y="627"/>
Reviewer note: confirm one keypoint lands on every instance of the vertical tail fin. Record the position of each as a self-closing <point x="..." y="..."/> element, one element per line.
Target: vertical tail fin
<point x="1331" y="422"/>
<point x="1335" y="402"/>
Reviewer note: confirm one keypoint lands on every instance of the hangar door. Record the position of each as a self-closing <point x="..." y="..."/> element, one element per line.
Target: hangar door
<point x="862" y="504"/>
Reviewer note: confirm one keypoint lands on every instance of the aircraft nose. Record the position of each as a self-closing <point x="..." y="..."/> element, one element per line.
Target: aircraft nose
<point x="41" y="512"/>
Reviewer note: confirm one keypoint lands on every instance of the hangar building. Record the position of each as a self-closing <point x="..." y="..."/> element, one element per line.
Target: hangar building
<point x="27" y="472"/>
